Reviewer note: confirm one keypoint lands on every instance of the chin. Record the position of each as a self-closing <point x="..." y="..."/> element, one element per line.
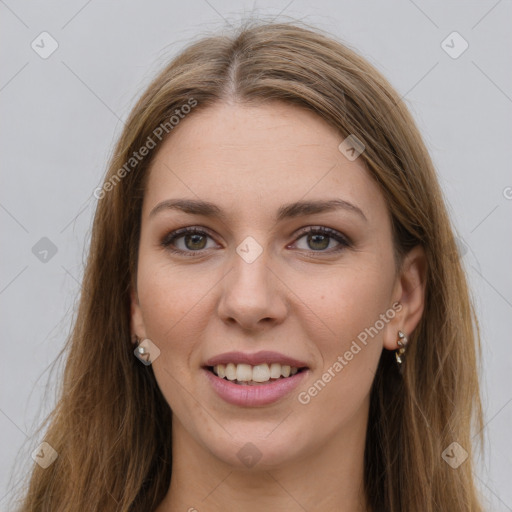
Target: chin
<point x="256" y="448"/>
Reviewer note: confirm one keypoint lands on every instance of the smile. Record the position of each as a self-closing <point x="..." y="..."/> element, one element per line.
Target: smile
<point x="248" y="375"/>
<point x="254" y="379"/>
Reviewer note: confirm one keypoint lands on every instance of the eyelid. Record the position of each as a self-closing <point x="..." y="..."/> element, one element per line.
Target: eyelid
<point x="178" y="233"/>
<point x="324" y="230"/>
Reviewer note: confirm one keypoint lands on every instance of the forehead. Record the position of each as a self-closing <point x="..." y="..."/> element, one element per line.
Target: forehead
<point x="255" y="158"/>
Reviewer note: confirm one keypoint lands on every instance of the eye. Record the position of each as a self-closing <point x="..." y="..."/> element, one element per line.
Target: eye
<point x="319" y="238"/>
<point x="191" y="241"/>
<point x="186" y="241"/>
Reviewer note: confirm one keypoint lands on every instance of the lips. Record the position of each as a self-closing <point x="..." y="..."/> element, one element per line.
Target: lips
<point x="240" y="389"/>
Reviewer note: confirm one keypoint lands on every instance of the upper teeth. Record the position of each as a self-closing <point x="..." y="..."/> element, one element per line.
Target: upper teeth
<point x="259" y="373"/>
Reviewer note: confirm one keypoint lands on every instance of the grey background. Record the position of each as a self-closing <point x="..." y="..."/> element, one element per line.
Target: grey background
<point x="61" y="116"/>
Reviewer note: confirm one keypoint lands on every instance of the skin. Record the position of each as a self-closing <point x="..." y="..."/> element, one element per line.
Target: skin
<point x="298" y="298"/>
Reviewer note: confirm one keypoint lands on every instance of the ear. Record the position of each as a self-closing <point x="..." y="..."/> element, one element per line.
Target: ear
<point x="409" y="291"/>
<point x="137" y="326"/>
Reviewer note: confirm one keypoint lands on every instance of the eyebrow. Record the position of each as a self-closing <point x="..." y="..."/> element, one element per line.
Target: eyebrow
<point x="292" y="210"/>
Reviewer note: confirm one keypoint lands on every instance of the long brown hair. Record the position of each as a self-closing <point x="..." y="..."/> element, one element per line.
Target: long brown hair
<point x="111" y="427"/>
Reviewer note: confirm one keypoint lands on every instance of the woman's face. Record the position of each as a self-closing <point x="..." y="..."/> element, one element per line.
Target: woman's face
<point x="264" y="284"/>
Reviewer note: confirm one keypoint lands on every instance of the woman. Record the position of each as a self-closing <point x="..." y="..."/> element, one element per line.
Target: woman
<point x="274" y="313"/>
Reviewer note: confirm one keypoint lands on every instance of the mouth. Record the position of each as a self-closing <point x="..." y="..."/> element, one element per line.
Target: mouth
<point x="257" y="375"/>
<point x="254" y="379"/>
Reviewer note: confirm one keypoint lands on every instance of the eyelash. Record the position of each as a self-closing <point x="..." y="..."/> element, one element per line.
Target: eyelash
<point x="170" y="238"/>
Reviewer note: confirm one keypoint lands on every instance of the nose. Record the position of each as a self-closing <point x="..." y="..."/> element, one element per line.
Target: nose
<point x="252" y="294"/>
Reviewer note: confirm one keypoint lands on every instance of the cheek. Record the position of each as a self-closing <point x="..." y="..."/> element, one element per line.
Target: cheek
<point x="169" y="296"/>
<point x="171" y="307"/>
<point x="172" y="303"/>
<point x="347" y="334"/>
<point x="339" y="305"/>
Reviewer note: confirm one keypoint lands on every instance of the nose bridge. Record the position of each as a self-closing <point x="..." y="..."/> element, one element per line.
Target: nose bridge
<point x="249" y="292"/>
